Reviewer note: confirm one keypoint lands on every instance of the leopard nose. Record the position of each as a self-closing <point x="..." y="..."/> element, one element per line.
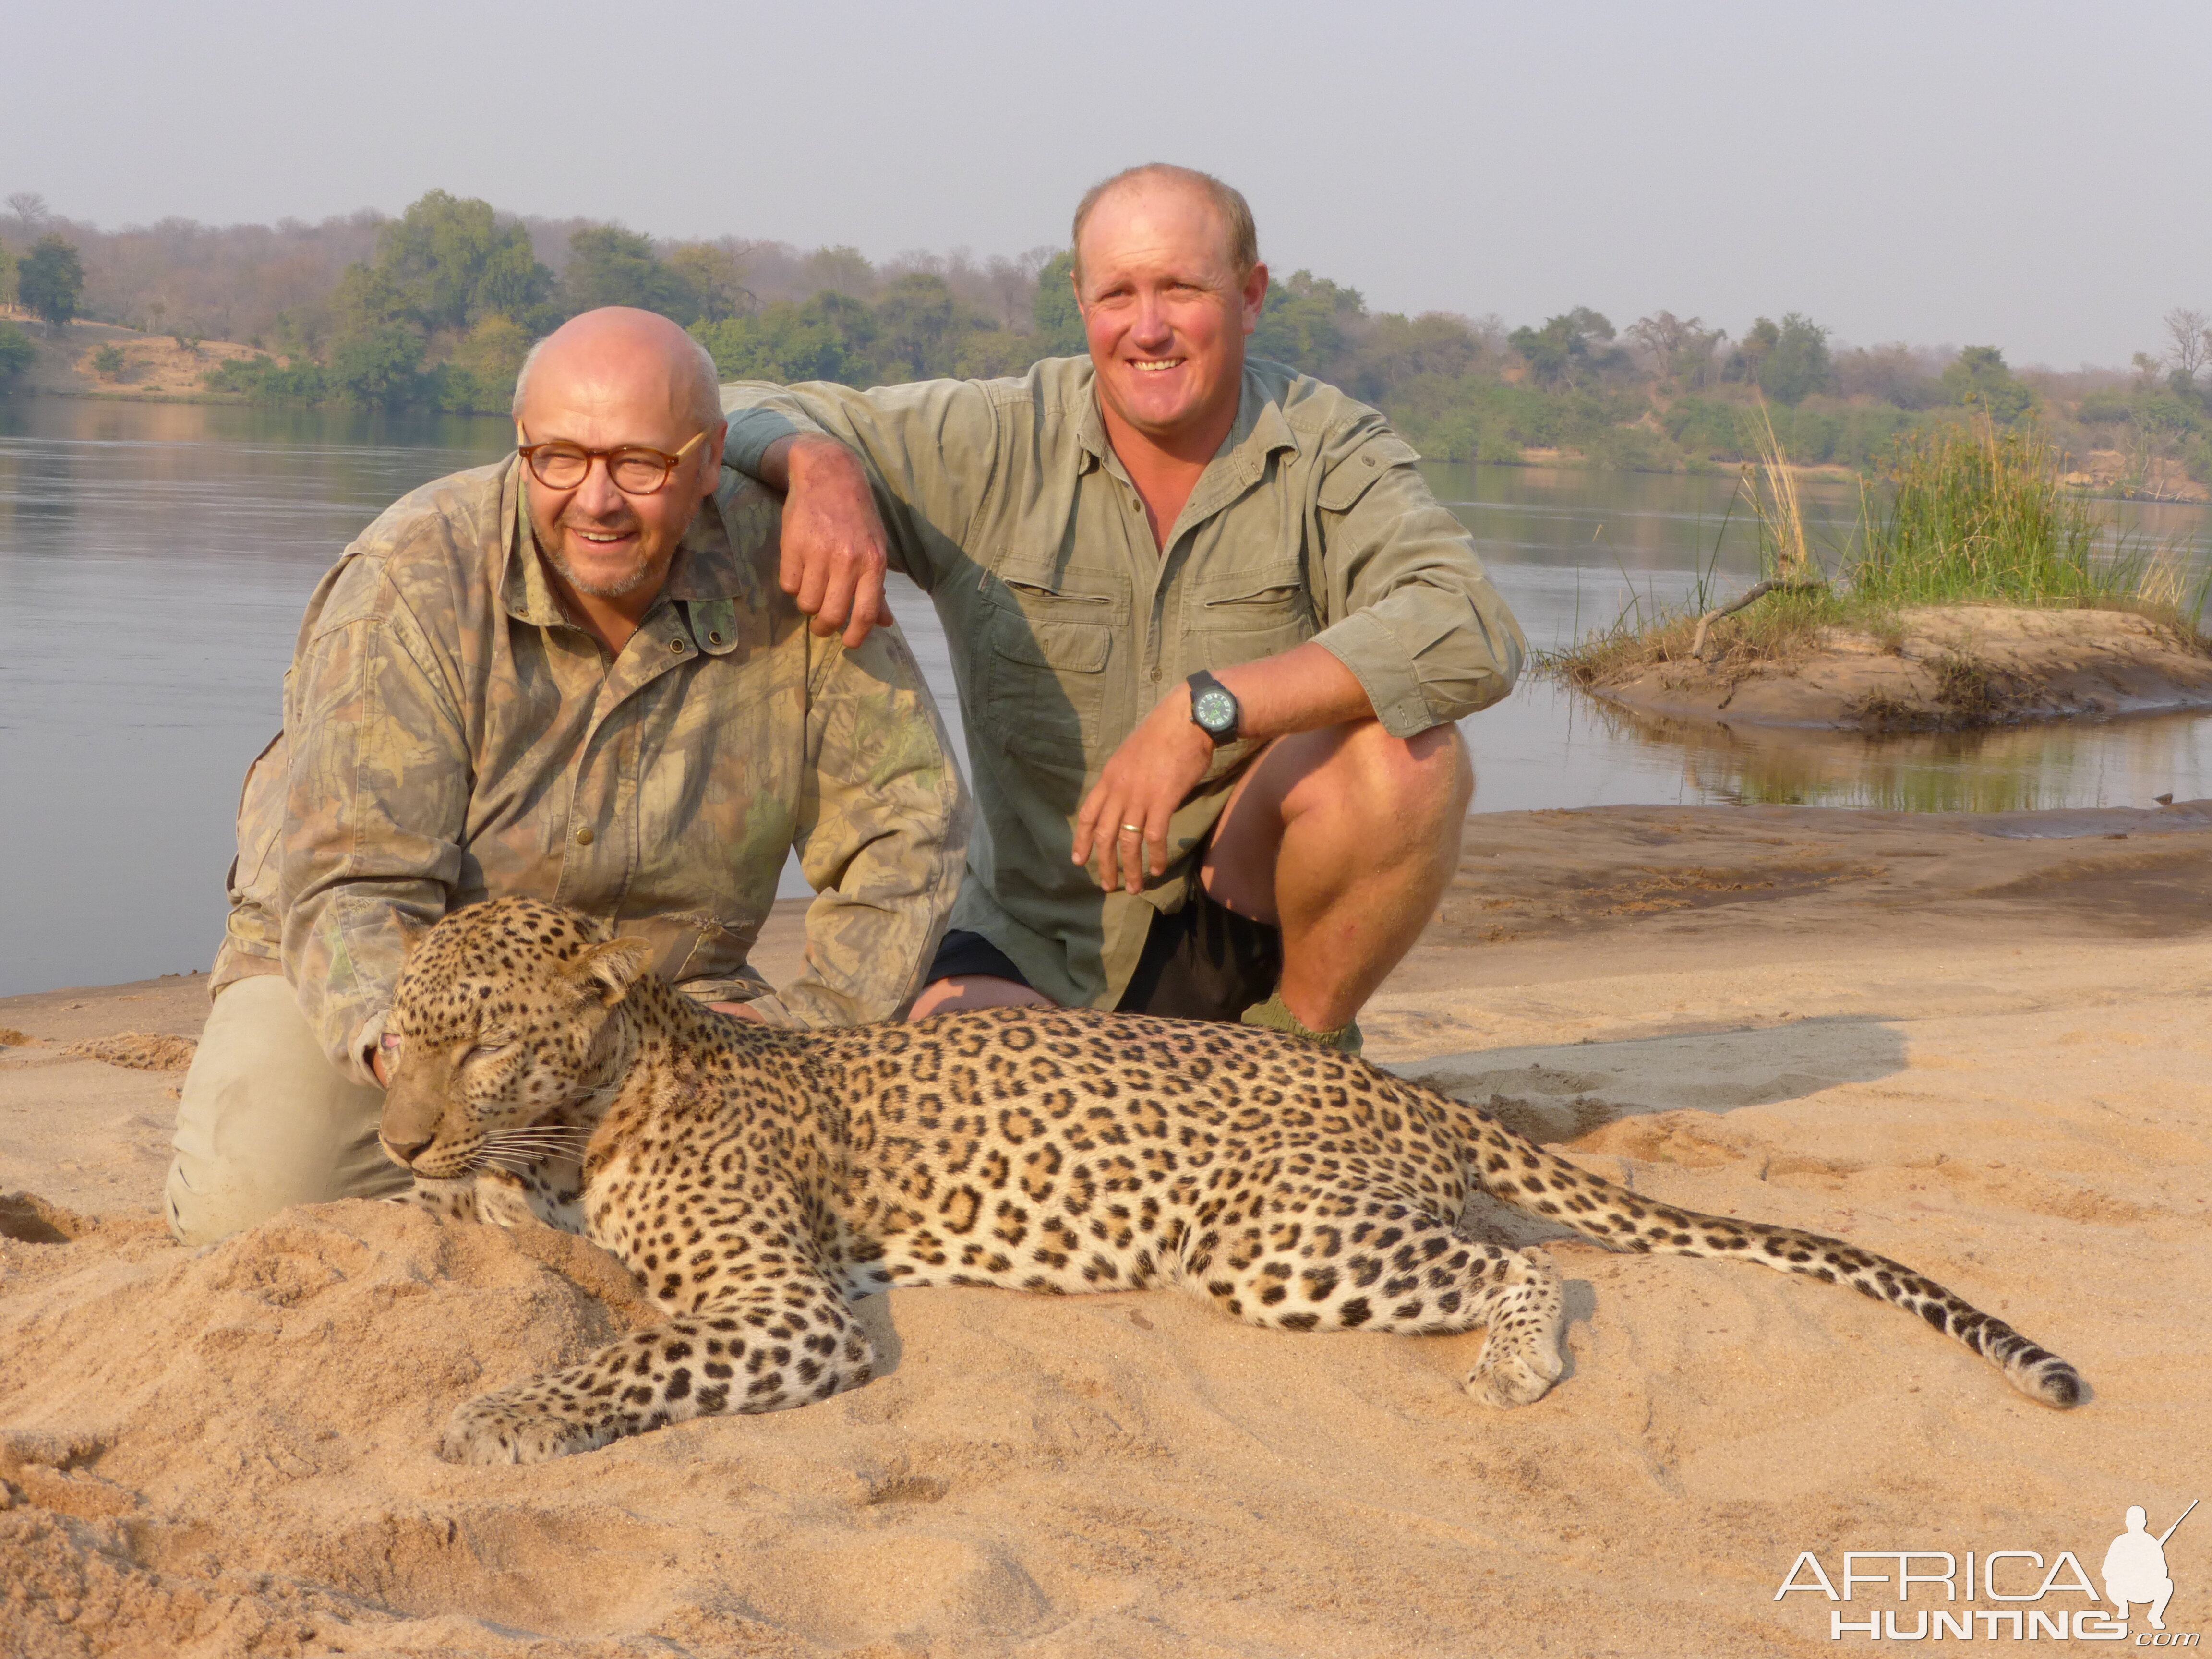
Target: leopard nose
<point x="406" y="1151"/>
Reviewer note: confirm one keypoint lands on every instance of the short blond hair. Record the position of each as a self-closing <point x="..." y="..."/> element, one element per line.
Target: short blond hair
<point x="1236" y="213"/>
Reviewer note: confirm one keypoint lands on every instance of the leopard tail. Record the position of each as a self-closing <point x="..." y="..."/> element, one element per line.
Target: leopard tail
<point x="1526" y="1176"/>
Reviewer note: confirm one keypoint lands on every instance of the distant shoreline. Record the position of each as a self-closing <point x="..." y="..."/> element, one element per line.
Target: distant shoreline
<point x="170" y="372"/>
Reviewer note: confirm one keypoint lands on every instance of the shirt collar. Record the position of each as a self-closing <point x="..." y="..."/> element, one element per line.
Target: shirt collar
<point x="1258" y="431"/>
<point x="1092" y="446"/>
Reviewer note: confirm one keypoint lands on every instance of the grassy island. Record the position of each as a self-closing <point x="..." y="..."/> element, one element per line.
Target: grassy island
<point x="1978" y="588"/>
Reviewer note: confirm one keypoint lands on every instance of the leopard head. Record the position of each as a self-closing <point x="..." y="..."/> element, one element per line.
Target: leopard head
<point x="507" y="1013"/>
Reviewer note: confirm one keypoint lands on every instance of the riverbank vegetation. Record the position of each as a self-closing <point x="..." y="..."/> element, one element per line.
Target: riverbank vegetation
<point x="437" y="307"/>
<point x="1959" y="514"/>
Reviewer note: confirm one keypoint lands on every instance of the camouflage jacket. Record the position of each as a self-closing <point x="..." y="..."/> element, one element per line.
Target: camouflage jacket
<point x="449" y="736"/>
<point x="1006" y="501"/>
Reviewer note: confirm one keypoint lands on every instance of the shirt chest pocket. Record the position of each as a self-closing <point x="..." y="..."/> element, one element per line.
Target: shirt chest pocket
<point x="1241" y="615"/>
<point x="1046" y="656"/>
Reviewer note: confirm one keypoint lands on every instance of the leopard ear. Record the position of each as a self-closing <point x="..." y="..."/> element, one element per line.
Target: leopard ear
<point x="607" y="971"/>
<point x="413" y="929"/>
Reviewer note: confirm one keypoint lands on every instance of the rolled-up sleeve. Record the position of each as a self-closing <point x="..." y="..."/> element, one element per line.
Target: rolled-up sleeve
<point x="760" y="414"/>
<point x="377" y="792"/>
<point x="1410" y="610"/>
<point x="882" y="836"/>
<point x="930" y="448"/>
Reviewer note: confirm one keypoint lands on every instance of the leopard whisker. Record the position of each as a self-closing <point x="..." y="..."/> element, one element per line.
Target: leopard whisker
<point x="569" y="1149"/>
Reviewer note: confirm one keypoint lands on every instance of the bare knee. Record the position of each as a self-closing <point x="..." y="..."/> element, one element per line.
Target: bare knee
<point x="1433" y="773"/>
<point x="1414" y="786"/>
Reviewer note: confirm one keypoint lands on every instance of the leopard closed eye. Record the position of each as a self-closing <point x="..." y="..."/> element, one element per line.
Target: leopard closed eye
<point x="758" y="1179"/>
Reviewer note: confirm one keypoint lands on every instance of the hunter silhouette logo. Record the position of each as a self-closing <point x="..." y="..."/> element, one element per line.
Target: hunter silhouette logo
<point x="2135" y="1567"/>
<point x="2000" y="1595"/>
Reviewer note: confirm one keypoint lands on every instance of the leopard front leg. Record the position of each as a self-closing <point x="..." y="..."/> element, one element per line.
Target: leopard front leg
<point x="495" y="1198"/>
<point x="768" y="1348"/>
<point x="448" y="1200"/>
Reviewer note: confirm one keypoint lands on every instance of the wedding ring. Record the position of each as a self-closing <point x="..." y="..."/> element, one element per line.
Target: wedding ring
<point x="1132" y="828"/>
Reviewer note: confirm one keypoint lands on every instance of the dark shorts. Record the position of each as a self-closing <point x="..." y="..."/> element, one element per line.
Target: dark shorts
<point x="1201" y="962"/>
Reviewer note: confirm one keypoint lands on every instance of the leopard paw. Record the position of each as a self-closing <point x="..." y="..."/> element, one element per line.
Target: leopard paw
<point x="1515" y="1379"/>
<point x="491" y="1430"/>
<point x="448" y="1200"/>
<point x="1521" y="1357"/>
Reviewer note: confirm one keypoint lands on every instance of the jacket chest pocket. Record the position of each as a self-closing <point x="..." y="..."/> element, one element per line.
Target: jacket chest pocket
<point x="1241" y="615"/>
<point x="1046" y="655"/>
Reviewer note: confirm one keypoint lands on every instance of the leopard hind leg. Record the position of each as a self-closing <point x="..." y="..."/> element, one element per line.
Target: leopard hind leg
<point x="1395" y="1268"/>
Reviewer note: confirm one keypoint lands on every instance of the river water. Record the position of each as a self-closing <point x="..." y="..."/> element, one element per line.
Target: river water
<point x="155" y="558"/>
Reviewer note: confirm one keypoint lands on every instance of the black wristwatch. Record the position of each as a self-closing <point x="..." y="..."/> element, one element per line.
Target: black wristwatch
<point x="1213" y="708"/>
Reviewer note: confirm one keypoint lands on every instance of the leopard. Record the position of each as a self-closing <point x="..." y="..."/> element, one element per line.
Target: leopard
<point x="759" y="1181"/>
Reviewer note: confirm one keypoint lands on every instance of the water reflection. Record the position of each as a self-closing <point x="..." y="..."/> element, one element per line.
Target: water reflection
<point x="39" y="492"/>
<point x="2010" y="769"/>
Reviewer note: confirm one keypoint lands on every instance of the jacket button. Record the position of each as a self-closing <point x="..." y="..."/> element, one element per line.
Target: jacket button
<point x="713" y="638"/>
<point x="676" y="645"/>
<point x="584" y="837"/>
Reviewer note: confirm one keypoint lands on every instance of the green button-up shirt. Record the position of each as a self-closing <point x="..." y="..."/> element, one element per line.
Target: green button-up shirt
<point x="450" y="736"/>
<point x="1005" y="501"/>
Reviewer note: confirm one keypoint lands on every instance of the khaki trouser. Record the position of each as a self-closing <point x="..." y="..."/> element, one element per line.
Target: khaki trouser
<point x="267" y="1121"/>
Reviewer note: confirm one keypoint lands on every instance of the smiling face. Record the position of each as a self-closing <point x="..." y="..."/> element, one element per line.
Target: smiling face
<point x="607" y="379"/>
<point x="1166" y="312"/>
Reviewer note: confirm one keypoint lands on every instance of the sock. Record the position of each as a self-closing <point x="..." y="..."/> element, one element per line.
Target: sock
<point x="1275" y="1016"/>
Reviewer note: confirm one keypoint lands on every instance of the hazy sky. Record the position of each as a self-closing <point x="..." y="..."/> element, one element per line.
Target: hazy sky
<point x="2024" y="175"/>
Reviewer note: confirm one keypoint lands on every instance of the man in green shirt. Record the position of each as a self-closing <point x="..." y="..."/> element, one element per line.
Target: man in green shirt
<point x="1211" y="630"/>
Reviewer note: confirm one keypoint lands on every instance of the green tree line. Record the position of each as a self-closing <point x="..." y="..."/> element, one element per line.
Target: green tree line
<point x="440" y="313"/>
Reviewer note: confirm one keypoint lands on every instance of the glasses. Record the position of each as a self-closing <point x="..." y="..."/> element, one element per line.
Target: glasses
<point x="634" y="470"/>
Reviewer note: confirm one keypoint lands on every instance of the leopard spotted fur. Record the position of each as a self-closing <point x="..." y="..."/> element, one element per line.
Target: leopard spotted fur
<point x="758" y="1179"/>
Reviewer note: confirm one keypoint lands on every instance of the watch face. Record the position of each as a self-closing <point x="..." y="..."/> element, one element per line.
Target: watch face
<point x="1215" y="710"/>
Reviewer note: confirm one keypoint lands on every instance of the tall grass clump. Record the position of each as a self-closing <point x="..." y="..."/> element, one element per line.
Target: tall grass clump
<point x="1973" y="513"/>
<point x="1770" y="488"/>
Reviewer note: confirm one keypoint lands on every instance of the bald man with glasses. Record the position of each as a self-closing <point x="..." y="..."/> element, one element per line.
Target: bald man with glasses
<point x="571" y="676"/>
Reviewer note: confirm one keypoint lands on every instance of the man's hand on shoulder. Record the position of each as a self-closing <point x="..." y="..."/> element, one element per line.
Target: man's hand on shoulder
<point x="735" y="1010"/>
<point x="834" y="552"/>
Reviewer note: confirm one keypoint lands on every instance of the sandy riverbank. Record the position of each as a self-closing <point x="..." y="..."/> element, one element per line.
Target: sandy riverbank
<point x="1975" y="1044"/>
<point x="153" y="367"/>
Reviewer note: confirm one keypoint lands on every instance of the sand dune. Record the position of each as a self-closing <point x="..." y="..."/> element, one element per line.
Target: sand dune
<point x="1983" y="1053"/>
